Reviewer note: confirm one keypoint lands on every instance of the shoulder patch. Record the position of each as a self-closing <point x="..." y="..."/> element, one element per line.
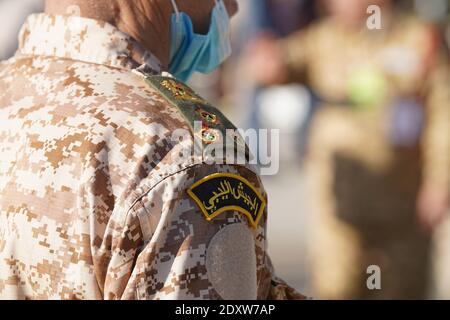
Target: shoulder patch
<point x="221" y="192"/>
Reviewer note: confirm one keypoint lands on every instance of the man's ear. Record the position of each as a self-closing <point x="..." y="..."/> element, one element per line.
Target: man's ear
<point x="200" y="14"/>
<point x="232" y="7"/>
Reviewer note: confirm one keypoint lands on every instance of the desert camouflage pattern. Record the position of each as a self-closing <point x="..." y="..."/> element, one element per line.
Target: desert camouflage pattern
<point x="93" y="201"/>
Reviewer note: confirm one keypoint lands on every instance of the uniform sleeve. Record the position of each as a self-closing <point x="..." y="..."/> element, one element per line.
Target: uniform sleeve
<point x="185" y="255"/>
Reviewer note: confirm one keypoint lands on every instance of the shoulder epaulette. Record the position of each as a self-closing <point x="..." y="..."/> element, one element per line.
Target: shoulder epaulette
<point x="196" y="109"/>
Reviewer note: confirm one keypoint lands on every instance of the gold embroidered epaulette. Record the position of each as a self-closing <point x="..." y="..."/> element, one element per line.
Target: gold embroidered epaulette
<point x="214" y="125"/>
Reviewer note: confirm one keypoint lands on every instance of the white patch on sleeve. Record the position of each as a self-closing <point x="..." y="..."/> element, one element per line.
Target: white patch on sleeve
<point x="231" y="263"/>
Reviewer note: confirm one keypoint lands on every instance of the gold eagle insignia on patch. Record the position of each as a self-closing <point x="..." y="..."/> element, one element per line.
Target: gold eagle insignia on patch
<point x="221" y="192"/>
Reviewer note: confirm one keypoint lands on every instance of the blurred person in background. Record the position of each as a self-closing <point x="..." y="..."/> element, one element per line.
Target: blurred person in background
<point x="278" y="18"/>
<point x="379" y="89"/>
<point x="12" y="16"/>
<point x="434" y="196"/>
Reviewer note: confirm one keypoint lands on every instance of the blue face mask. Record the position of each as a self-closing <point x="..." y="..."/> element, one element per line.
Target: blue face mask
<point x="191" y="52"/>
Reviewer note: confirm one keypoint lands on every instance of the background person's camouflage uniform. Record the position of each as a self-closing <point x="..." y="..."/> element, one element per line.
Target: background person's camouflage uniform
<point x="365" y="170"/>
<point x="436" y="145"/>
<point x="93" y="189"/>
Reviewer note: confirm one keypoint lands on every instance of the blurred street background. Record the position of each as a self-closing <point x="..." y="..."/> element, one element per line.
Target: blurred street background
<point x="361" y="96"/>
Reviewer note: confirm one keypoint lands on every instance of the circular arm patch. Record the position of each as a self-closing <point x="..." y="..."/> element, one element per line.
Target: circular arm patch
<point x="231" y="263"/>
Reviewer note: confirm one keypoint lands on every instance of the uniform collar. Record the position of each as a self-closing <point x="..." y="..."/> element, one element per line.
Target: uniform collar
<point x="84" y="40"/>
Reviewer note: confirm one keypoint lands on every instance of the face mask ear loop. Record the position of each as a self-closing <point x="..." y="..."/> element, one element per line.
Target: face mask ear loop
<point x="221" y="6"/>
<point x="219" y="3"/>
<point x="175" y="8"/>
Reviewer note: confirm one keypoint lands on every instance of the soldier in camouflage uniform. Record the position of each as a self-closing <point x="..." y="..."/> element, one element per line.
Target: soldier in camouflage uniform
<point x="365" y="157"/>
<point x="97" y="200"/>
